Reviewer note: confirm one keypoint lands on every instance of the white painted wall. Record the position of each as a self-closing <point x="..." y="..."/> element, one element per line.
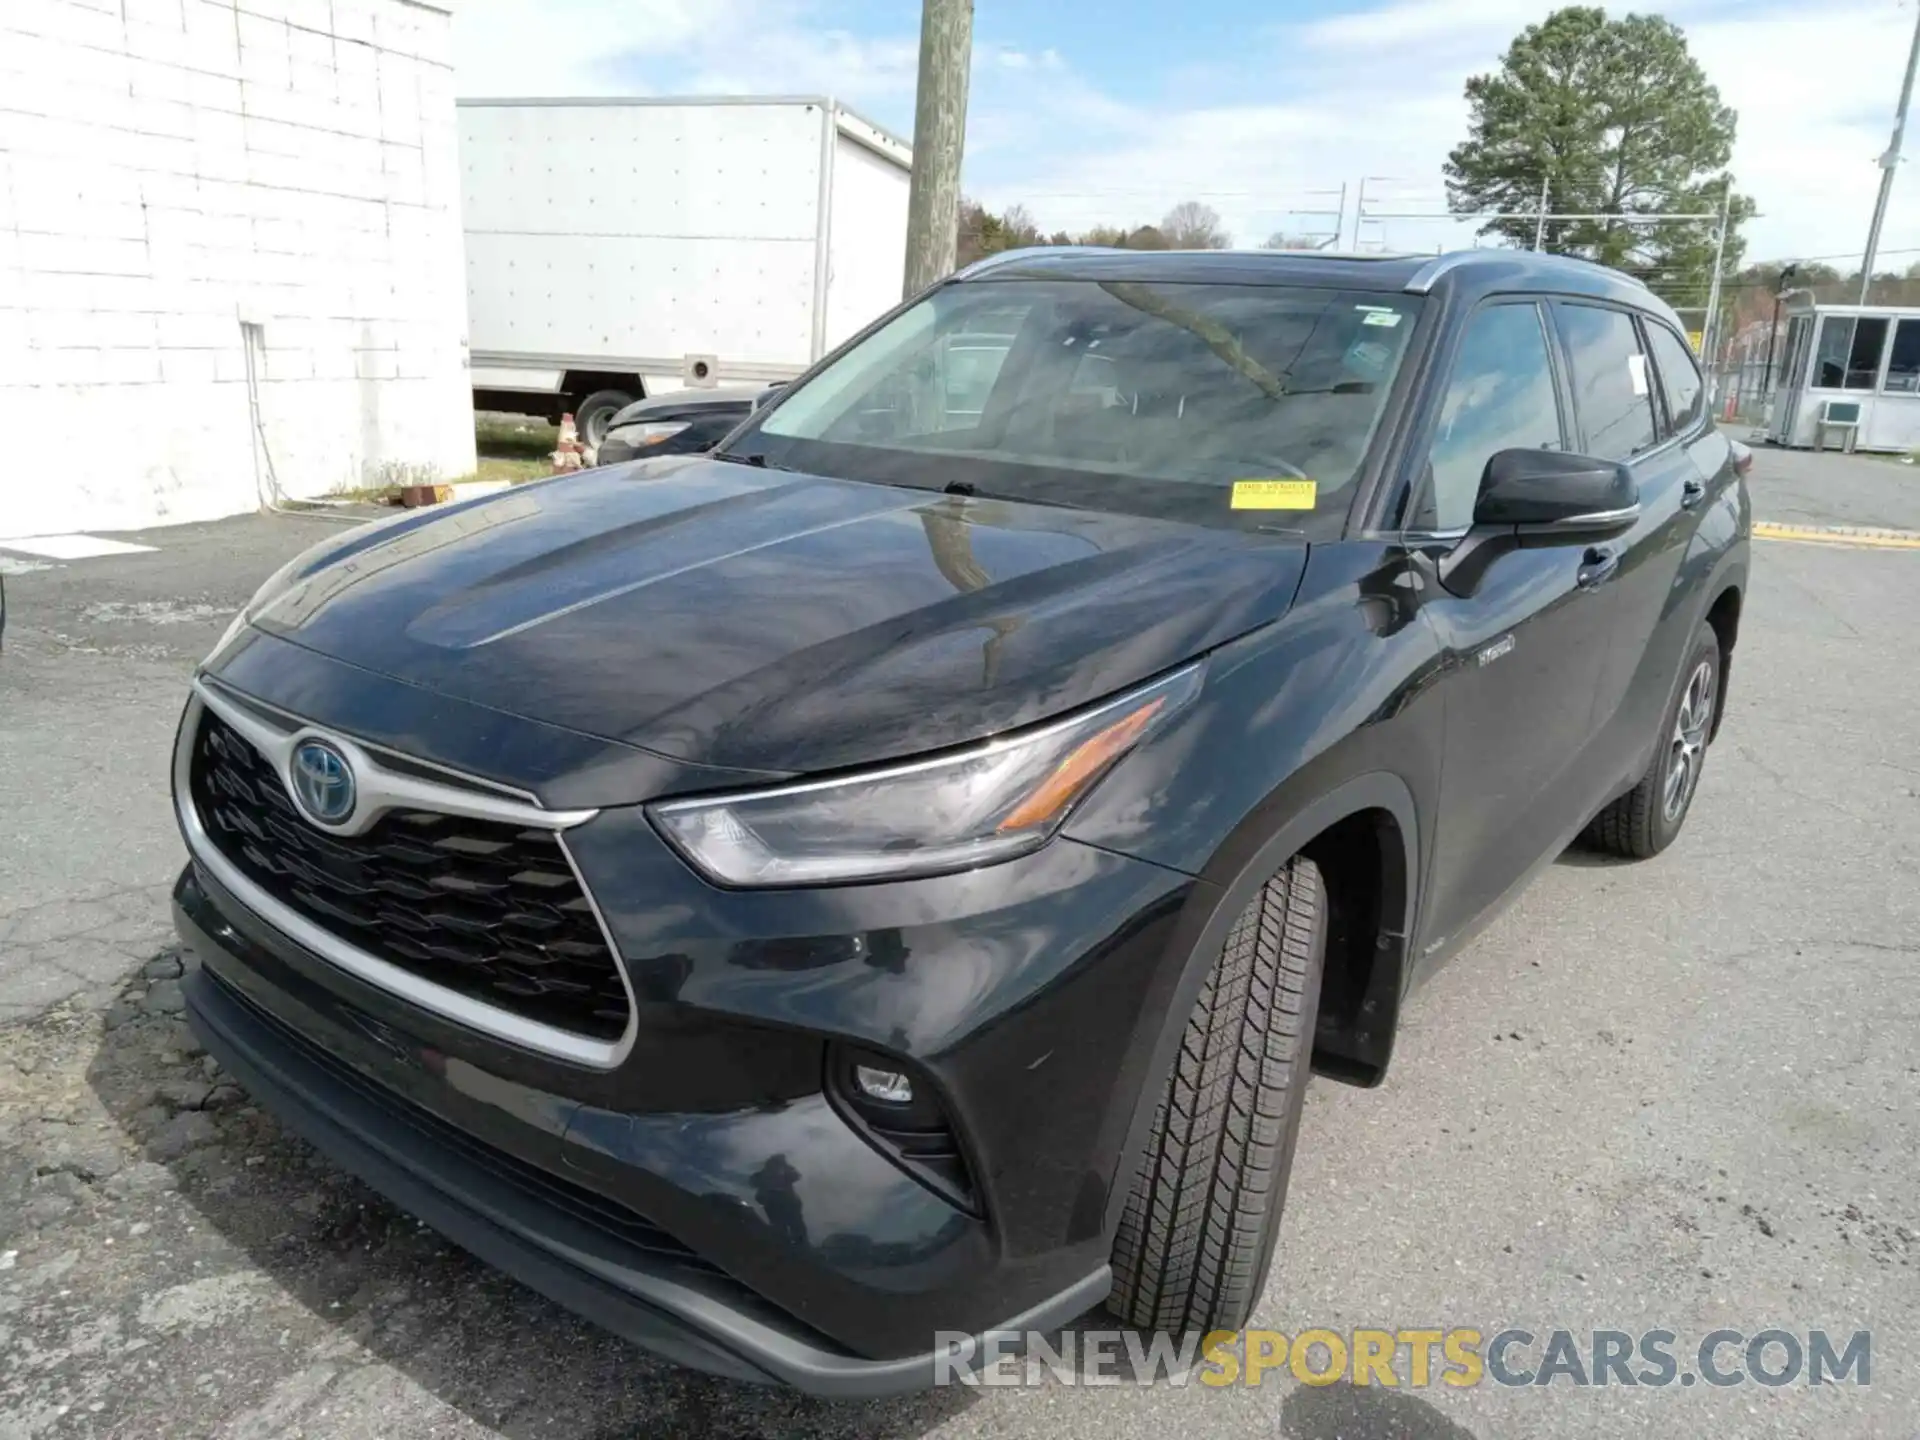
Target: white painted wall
<point x="169" y="168"/>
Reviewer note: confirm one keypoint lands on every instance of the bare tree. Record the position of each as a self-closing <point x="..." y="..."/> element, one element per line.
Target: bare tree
<point x="1021" y="231"/>
<point x="1281" y="240"/>
<point x="981" y="232"/>
<point x="1193" y="226"/>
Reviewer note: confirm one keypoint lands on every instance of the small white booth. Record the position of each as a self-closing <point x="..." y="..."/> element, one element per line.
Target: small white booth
<point x="1849" y="377"/>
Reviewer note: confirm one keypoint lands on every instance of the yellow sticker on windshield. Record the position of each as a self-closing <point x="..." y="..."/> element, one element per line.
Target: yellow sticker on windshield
<point x="1273" y="494"/>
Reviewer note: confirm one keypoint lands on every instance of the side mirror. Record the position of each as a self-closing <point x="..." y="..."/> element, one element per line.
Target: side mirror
<point x="1539" y="497"/>
<point x="1549" y="492"/>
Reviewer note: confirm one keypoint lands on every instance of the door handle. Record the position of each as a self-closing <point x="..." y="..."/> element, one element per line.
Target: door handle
<point x="1597" y="566"/>
<point x="1692" y="493"/>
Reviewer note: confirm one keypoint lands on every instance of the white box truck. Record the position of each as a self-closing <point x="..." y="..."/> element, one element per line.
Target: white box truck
<point x="621" y="248"/>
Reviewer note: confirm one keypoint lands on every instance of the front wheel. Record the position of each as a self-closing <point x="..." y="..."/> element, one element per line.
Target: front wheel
<point x="1197" y="1235"/>
<point x="1647" y="819"/>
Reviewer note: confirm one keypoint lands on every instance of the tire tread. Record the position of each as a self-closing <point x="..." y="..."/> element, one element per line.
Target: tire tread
<point x="1195" y="1238"/>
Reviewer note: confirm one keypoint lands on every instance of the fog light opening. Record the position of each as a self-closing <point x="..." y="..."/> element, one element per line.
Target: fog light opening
<point x="898" y="1110"/>
<point x="889" y="1086"/>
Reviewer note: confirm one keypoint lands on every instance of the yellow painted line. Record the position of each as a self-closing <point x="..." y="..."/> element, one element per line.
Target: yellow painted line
<point x="1845" y="536"/>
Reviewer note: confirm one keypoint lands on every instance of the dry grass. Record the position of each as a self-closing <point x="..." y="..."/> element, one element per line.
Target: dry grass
<point x="514" y="448"/>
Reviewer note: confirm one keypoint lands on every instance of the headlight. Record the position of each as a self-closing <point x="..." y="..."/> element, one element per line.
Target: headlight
<point x="973" y="807"/>
<point x="639" y="437"/>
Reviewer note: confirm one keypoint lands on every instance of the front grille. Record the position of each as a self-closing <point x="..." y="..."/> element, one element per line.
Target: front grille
<point x="485" y="908"/>
<point x="628" y="1227"/>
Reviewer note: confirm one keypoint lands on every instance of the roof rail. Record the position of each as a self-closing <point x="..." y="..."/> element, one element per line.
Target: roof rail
<point x="1429" y="274"/>
<point x="1033" y="252"/>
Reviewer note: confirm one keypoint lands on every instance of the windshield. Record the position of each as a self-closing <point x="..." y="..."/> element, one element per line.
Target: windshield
<point x="1234" y="405"/>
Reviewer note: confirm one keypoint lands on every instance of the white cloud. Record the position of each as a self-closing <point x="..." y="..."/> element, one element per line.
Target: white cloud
<point x="672" y="47"/>
<point x="1306" y="108"/>
<point x="505" y="48"/>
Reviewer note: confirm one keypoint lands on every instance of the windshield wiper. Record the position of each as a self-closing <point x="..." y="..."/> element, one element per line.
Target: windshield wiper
<point x="757" y="460"/>
<point x="973" y="492"/>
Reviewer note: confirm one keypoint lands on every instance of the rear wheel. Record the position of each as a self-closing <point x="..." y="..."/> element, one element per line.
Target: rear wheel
<point x="1647" y="819"/>
<point x="592" y="415"/>
<point x="1198" y="1232"/>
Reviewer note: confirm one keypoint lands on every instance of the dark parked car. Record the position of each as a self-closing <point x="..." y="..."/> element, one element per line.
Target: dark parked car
<point x="894" y="875"/>
<point x="680" y="422"/>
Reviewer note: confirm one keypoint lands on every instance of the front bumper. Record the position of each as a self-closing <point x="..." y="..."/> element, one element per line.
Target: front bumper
<point x="706" y="1191"/>
<point x="797" y="1253"/>
<point x="546" y="1230"/>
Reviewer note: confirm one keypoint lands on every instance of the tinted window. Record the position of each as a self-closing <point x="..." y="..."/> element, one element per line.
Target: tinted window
<point x="1144" y="397"/>
<point x="1830" y="355"/>
<point x="1679" y="377"/>
<point x="1848" y="355"/>
<point x="1499" y="397"/>
<point x="1796" y="352"/>
<point x="1610" y="383"/>
<point x="1863" y="357"/>
<point x="1903" y="367"/>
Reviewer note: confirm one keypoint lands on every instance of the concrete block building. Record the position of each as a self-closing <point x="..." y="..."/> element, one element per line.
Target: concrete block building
<point x="230" y="256"/>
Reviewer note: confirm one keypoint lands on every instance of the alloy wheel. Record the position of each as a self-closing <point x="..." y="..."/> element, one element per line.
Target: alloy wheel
<point x="1689" y="746"/>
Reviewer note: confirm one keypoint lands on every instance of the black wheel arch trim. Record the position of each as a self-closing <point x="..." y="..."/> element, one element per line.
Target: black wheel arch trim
<point x="1226" y="887"/>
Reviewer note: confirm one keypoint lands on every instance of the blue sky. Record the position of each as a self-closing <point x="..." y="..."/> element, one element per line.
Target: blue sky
<point x="1091" y="111"/>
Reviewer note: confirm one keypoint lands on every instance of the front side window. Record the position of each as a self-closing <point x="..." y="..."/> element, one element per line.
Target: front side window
<point x="1500" y="396"/>
<point x="1679" y="377"/>
<point x="1133" y="396"/>
<point x="1611" y="387"/>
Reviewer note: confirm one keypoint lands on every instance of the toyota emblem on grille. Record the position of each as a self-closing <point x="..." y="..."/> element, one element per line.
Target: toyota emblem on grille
<point x="322" y="782"/>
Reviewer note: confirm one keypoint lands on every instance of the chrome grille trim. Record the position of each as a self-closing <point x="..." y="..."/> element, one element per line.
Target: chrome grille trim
<point x="477" y="800"/>
<point x="381" y="787"/>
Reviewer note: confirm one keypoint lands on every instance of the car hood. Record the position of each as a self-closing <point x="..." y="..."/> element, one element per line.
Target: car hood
<point x="765" y="620"/>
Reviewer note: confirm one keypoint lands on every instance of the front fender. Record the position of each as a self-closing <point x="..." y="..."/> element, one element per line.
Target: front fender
<point x="1329" y="714"/>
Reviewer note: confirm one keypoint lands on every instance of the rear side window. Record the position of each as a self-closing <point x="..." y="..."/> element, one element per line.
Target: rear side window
<point x="1679" y="378"/>
<point x="1499" y="396"/>
<point x="1612" y="389"/>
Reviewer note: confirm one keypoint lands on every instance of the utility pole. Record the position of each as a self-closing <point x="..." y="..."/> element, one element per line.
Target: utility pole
<point x="1887" y="163"/>
<point x="1710" y="328"/>
<point x="939" y="137"/>
<point x="1540" y="229"/>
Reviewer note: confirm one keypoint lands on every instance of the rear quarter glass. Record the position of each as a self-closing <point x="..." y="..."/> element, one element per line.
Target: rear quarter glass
<point x="1250" y="407"/>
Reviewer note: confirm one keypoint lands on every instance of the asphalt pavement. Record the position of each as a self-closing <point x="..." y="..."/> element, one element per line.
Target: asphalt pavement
<point x="1682" y="1094"/>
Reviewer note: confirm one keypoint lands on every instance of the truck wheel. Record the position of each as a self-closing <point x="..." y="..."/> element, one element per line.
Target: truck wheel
<point x="1198" y="1232"/>
<point x="590" y="417"/>
<point x="1647" y="819"/>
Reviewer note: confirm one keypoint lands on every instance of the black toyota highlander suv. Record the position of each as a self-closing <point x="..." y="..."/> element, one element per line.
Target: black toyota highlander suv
<point x="893" y="875"/>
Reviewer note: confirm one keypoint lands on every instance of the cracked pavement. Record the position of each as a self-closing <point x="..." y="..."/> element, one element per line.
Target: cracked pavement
<point x="1684" y="1093"/>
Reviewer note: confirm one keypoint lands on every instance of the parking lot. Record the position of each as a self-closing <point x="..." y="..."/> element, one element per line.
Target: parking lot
<point x="1683" y="1094"/>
